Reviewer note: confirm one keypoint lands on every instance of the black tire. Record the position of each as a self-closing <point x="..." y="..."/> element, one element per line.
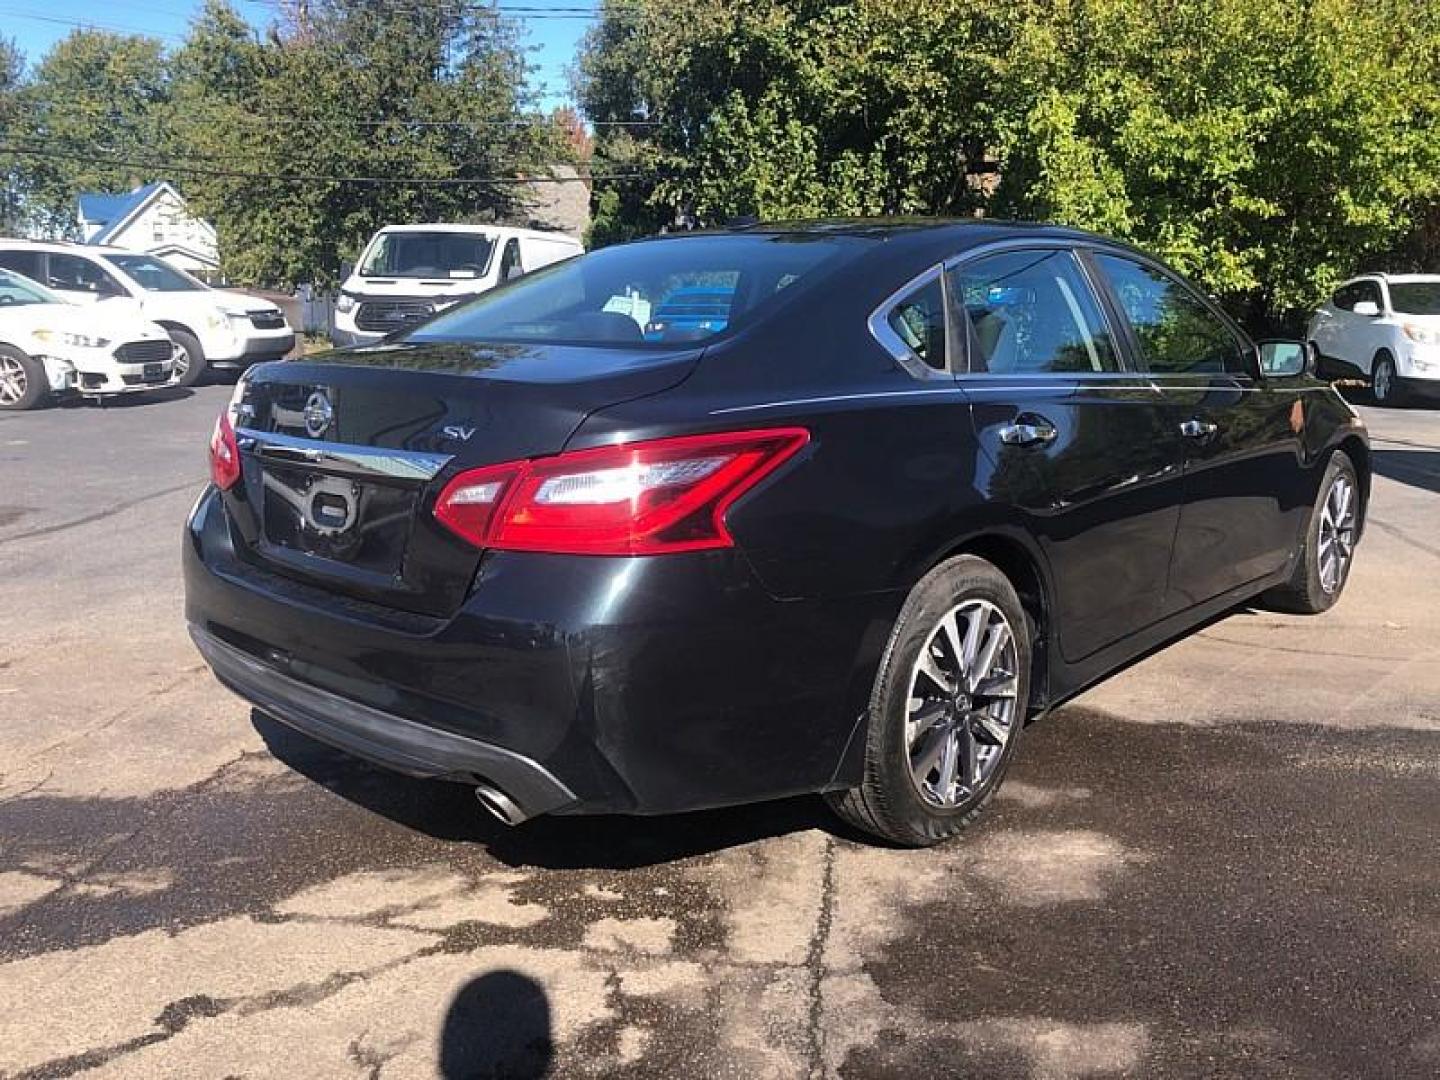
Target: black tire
<point x="1305" y="593"/>
<point x="888" y="802"/>
<point x="23" y="382"/>
<point x="1384" y="383"/>
<point x="194" y="364"/>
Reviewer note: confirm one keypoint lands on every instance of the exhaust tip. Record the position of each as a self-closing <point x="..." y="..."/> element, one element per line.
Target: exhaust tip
<point x="500" y="805"/>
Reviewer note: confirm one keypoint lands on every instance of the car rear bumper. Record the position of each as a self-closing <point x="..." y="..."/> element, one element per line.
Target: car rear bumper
<point x="378" y="736"/>
<point x="572" y="684"/>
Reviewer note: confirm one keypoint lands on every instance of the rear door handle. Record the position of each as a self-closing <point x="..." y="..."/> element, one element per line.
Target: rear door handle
<point x="1198" y="429"/>
<point x="1028" y="431"/>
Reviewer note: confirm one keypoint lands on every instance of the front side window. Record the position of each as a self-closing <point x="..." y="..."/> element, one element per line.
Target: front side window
<point x="156" y="275"/>
<point x="72" y="273"/>
<point x="1415" y="297"/>
<point x="16" y="290"/>
<point x="1345" y="297"/>
<point x="919" y="321"/>
<point x="1032" y="312"/>
<point x="510" y="264"/>
<point x="1369" y="291"/>
<point x="428" y="255"/>
<point x="655" y="292"/>
<point x="1177" y="333"/>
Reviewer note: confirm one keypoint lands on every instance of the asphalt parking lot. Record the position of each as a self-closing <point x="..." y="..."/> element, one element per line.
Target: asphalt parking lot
<point x="1220" y="863"/>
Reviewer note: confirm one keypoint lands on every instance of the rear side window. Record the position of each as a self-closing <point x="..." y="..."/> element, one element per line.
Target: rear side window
<point x="1032" y="312"/>
<point x="1177" y="333"/>
<point x="656" y="292"/>
<point x="919" y="321"/>
<point x="22" y="262"/>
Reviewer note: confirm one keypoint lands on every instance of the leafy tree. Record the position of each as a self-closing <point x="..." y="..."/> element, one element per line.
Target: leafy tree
<point x="1265" y="147"/>
<point x="93" y="100"/>
<point x="12" y="68"/>
<point x="350" y="89"/>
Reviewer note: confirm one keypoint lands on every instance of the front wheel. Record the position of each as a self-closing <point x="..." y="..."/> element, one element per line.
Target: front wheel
<point x="1323" y="566"/>
<point x="23" y="382"/>
<point x="947" y="708"/>
<point x="1383" y="382"/>
<point x="190" y="362"/>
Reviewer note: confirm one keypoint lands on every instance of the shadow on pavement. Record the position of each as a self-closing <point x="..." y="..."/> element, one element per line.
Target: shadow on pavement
<point x="498" y="1025"/>
<point x="1418" y="468"/>
<point x="448" y="811"/>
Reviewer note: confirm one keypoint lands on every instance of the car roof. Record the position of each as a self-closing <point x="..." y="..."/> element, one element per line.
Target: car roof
<point x="65" y="247"/>
<point x="472" y="228"/>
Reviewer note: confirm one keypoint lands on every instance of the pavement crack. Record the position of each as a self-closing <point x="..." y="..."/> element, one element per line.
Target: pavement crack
<point x="815" y="962"/>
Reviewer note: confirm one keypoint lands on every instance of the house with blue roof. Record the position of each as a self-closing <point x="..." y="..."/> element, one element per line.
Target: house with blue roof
<point x="153" y="219"/>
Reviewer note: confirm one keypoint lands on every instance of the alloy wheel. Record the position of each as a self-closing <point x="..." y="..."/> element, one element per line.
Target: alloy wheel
<point x="1337" y="534"/>
<point x="961" y="709"/>
<point x="14" y="380"/>
<point x="1383" y="380"/>
<point x="181" y="361"/>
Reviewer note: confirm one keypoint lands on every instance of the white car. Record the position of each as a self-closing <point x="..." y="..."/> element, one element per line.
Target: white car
<point x="409" y="272"/>
<point x="1384" y="328"/>
<point x="50" y="347"/>
<point x="213" y="327"/>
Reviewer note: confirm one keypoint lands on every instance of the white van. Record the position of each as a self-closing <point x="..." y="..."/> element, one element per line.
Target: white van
<point x="408" y="272"/>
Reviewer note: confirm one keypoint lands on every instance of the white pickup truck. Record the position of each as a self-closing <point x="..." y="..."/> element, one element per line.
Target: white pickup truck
<point x="409" y="272"/>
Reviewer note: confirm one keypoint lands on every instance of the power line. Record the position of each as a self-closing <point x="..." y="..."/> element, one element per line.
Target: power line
<point x="161" y="167"/>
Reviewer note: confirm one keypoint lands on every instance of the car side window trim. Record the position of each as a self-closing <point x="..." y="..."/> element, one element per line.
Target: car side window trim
<point x="1244" y="345"/>
<point x="900" y="352"/>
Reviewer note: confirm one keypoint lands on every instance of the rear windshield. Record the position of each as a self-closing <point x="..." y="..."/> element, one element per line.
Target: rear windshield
<point x="1415" y="297"/>
<point x="661" y="292"/>
<point x="428" y="255"/>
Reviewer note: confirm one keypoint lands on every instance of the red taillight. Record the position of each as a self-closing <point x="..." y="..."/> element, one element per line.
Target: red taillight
<point x="224" y="454"/>
<point x="645" y="498"/>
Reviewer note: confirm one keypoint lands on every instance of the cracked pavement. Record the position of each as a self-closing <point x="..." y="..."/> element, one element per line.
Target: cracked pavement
<point x="1220" y="862"/>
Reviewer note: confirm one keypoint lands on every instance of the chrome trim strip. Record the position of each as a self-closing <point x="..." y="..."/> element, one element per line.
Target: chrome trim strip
<point x="939" y="391"/>
<point x="342" y="458"/>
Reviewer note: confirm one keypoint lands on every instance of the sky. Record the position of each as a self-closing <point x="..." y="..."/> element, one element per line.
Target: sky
<point x="35" y="25"/>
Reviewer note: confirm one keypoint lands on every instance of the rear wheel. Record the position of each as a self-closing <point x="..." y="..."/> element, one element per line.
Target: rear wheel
<point x="1323" y="565"/>
<point x="1383" y="383"/>
<point x="190" y="364"/>
<point x="23" y="382"/>
<point x="947" y="708"/>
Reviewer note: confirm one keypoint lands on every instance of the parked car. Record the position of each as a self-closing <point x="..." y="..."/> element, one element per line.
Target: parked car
<point x="699" y="310"/>
<point x="409" y="272"/>
<point x="927" y="482"/>
<point x="213" y="327"/>
<point x="51" y="348"/>
<point x="1384" y="328"/>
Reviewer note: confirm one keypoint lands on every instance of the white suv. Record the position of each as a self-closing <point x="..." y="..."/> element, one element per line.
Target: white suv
<point x="1385" y="328"/>
<point x="213" y="328"/>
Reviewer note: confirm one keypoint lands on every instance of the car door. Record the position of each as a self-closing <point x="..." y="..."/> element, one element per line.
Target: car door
<point x="1327" y="328"/>
<point x="1241" y="437"/>
<point x="1077" y="443"/>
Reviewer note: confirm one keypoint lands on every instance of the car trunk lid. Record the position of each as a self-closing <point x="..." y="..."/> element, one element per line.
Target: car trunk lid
<point x="342" y="455"/>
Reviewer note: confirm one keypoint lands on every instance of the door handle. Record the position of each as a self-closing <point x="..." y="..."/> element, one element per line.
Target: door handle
<point x="1198" y="429"/>
<point x="1028" y="431"/>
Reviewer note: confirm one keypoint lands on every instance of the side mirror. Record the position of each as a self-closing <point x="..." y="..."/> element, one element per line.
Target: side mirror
<point x="1284" y="359"/>
<point x="1367" y="308"/>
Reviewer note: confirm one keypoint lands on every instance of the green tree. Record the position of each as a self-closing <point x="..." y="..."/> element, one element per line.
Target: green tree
<point x="415" y="98"/>
<point x="95" y="99"/>
<point x="12" y="70"/>
<point x="1263" y="146"/>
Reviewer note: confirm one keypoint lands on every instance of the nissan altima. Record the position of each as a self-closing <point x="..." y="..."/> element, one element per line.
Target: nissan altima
<point x="906" y="487"/>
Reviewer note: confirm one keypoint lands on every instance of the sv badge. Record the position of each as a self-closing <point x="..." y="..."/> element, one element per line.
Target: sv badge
<point x="458" y="431"/>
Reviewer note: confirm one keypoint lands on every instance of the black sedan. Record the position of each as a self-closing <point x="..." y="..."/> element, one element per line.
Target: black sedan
<point x="910" y="485"/>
